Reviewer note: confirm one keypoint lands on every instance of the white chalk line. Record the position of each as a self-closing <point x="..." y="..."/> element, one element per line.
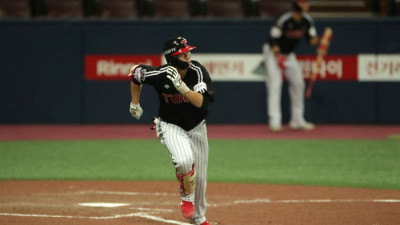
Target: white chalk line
<point x="103" y="204"/>
<point x="316" y="201"/>
<point x="248" y="201"/>
<point x="124" y="193"/>
<point x="255" y="201"/>
<point x="142" y="215"/>
<point x="154" y="210"/>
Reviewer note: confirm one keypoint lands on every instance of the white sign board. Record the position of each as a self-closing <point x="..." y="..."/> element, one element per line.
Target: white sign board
<point x="380" y="67"/>
<point x="231" y="67"/>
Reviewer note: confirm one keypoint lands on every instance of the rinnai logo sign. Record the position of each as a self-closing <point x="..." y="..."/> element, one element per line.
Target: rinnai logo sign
<point x="115" y="67"/>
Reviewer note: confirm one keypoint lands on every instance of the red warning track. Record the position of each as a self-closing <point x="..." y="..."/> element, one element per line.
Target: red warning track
<point x="258" y="131"/>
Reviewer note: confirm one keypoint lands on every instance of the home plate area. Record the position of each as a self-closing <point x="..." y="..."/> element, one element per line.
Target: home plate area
<point x="157" y="203"/>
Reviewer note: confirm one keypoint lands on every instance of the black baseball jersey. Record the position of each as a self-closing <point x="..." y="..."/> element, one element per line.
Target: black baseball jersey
<point x="287" y="32"/>
<point x="174" y="108"/>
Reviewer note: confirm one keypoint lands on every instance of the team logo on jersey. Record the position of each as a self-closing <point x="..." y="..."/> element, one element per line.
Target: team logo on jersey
<point x="294" y="33"/>
<point x="174" y="98"/>
<point x="166" y="86"/>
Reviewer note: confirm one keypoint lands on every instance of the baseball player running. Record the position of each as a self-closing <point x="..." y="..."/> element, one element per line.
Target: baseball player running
<point x="185" y="91"/>
<point x="288" y="30"/>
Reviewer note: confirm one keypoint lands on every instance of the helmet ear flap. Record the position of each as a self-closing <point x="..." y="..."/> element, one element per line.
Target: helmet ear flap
<point x="168" y="58"/>
<point x="175" y="62"/>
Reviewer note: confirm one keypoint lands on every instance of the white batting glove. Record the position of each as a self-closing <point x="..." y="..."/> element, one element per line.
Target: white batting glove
<point x="136" y="110"/>
<point x="176" y="79"/>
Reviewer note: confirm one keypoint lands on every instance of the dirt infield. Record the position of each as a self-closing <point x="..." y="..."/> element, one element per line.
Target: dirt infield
<point x="157" y="203"/>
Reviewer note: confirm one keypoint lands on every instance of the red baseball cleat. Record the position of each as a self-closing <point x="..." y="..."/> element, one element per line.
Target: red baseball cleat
<point x="187" y="209"/>
<point x="205" y="223"/>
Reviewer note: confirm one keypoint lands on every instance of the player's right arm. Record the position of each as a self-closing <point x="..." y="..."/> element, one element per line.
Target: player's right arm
<point x="276" y="32"/>
<point x="275" y="35"/>
<point x="141" y="74"/>
<point x="136" y="87"/>
<point x="135" y="92"/>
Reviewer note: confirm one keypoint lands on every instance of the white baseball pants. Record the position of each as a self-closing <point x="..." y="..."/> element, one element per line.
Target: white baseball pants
<point x="186" y="148"/>
<point x="293" y="74"/>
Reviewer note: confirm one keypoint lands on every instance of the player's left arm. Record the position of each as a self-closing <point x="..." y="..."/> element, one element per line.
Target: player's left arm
<point x="203" y="91"/>
<point x="313" y="36"/>
<point x="193" y="96"/>
<point x="206" y="89"/>
<point x="314" y="41"/>
<point x="311" y="33"/>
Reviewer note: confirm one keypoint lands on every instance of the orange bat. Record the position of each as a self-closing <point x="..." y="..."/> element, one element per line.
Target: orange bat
<point x="322" y="50"/>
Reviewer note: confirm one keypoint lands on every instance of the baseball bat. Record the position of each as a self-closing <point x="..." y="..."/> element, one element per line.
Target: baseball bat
<point x="322" y="50"/>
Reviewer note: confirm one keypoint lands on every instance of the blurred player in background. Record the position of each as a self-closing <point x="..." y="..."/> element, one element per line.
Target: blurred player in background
<point x="185" y="91"/>
<point x="279" y="57"/>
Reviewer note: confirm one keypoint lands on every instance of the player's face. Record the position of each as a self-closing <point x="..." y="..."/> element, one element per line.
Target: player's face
<point x="185" y="57"/>
<point x="305" y="6"/>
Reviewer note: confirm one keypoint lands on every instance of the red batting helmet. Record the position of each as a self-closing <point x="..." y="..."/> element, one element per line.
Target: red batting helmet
<point x="174" y="47"/>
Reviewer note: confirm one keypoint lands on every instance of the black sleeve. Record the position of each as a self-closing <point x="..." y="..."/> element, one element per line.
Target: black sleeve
<point x="275" y="32"/>
<point x="204" y="85"/>
<point x="273" y="40"/>
<point x="307" y="33"/>
<point x="145" y="74"/>
<point x="208" y="94"/>
<point x="206" y="102"/>
<point x="311" y="30"/>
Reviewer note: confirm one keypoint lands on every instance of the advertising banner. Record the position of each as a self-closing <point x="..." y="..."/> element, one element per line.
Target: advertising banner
<point x="250" y="67"/>
<point x="379" y="67"/>
<point x="232" y="67"/>
<point x="333" y="67"/>
<point x="115" y="67"/>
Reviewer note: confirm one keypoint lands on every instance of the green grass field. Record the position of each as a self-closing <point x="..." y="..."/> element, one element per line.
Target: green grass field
<point x="349" y="163"/>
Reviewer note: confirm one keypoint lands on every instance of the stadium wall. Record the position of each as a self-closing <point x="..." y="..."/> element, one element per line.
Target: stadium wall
<point x="43" y="70"/>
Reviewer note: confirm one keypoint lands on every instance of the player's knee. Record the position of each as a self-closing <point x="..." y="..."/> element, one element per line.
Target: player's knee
<point x="183" y="166"/>
<point x="274" y="83"/>
<point x="187" y="181"/>
<point x="298" y="83"/>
